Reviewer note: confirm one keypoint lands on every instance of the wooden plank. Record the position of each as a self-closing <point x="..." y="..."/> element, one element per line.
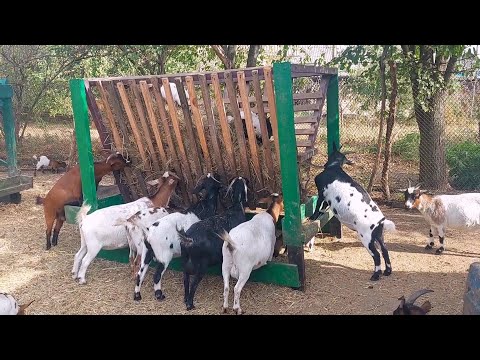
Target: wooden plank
<point x="96" y="116"/>
<point x="308" y="95"/>
<point x="267" y="149"/>
<point x="307" y="154"/>
<point x="211" y="126"/>
<point x="84" y="142"/>
<point x="190" y="183"/>
<point x="188" y="124"/>
<point x="271" y="107"/>
<point x="313" y="70"/>
<point x="309" y="131"/>
<point x="117" y="111"/>
<point x="153" y="120"/>
<point x="252" y="141"/>
<point x="297" y="96"/>
<point x="238" y="126"/>
<point x="292" y="223"/>
<point x="15" y="184"/>
<point x="306" y="119"/>
<point x="306" y="107"/>
<point x="143" y="122"/>
<point x="132" y="121"/>
<point x="171" y="149"/>
<point x="198" y="121"/>
<point x="117" y="139"/>
<point x="227" y="139"/>
<point x="304" y="143"/>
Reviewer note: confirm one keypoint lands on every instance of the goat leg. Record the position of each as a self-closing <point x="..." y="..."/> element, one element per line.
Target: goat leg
<point x="196" y="280"/>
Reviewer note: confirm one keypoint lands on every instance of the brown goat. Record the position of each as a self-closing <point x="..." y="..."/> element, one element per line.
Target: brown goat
<point x="68" y="191"/>
<point x="55" y="165"/>
<point x="407" y="306"/>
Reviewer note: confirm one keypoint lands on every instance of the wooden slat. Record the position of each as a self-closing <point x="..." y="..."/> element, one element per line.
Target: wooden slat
<point x="321" y="101"/>
<point x="227" y="139"/>
<point x="117" y="111"/>
<point x="153" y="121"/>
<point x="306" y="155"/>
<point x="313" y="70"/>
<point x="238" y="125"/>
<point x="176" y="127"/>
<point x="267" y="149"/>
<point x="267" y="70"/>
<point x="297" y="96"/>
<point x="194" y="153"/>
<point x="132" y="121"/>
<point x="304" y="143"/>
<point x="96" y="116"/>
<point x="211" y="126"/>
<point x="171" y="149"/>
<point x="309" y="131"/>
<point x="308" y="95"/>
<point x="307" y="107"/>
<point x="198" y="121"/>
<point x="252" y="141"/>
<point x="143" y="122"/>
<point x="117" y="138"/>
<point x="306" y="119"/>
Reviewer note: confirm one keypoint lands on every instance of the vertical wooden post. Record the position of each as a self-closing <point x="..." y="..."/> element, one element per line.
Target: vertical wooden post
<point x="292" y="223"/>
<point x="334" y="227"/>
<point x="84" y="142"/>
<point x="9" y="126"/>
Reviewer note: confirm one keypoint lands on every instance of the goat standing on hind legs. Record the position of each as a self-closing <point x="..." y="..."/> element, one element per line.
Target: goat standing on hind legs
<point x="68" y="191"/>
<point x="354" y="208"/>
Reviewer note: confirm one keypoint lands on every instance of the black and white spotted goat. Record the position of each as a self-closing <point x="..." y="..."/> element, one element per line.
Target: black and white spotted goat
<point x="354" y="208"/>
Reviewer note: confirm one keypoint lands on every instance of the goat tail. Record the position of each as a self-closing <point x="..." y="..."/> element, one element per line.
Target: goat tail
<point x="225" y="236"/>
<point x="389" y="225"/>
<point x="83" y="212"/>
<point x="184" y="239"/>
<point x="39" y="200"/>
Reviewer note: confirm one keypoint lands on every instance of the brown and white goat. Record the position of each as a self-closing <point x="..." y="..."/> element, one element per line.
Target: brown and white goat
<point x="10" y="306"/>
<point x="68" y="191"/>
<point x="99" y="230"/>
<point x="460" y="211"/>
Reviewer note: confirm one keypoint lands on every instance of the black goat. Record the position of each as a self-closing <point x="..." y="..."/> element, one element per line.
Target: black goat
<point x="200" y="245"/>
<point x="407" y="307"/>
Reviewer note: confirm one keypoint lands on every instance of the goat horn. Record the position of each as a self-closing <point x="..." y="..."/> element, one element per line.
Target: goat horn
<point x="418" y="186"/>
<point x="411" y="299"/>
<point x="211" y="175"/>
<point x="230" y="186"/>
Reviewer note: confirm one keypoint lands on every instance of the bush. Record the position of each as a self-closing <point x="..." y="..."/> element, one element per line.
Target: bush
<point x="407" y="147"/>
<point x="464" y="162"/>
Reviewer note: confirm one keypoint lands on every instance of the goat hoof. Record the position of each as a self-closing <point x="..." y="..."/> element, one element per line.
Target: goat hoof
<point x="387" y="271"/>
<point x="190" y="307"/>
<point x="376" y="275"/>
<point x="48" y="246"/>
<point x="159" y="295"/>
<point x="137" y="297"/>
<point x="74" y="276"/>
<point x="428" y="247"/>
<point x="82" y="281"/>
<point x="225" y="310"/>
<point x="239" y="311"/>
<point x="439" y="251"/>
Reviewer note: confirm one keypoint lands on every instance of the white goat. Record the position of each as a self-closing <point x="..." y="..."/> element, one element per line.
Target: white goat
<point x="10" y="306"/>
<point x="43" y="162"/>
<point x="163" y="244"/>
<point x="444" y="211"/>
<point x="176" y="97"/>
<point x="247" y="247"/>
<point x="98" y="230"/>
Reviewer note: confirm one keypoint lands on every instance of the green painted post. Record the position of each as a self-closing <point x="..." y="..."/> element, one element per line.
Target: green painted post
<point x="292" y="223"/>
<point x="84" y="142"/>
<point x="6" y="94"/>
<point x="333" y="123"/>
<point x="334" y="226"/>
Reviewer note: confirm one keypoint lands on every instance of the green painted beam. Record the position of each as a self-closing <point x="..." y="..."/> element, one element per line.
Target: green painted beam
<point x="6" y="93"/>
<point x="84" y="142"/>
<point x="272" y="273"/>
<point x="288" y="154"/>
<point x="333" y="123"/>
<point x="15" y="184"/>
<point x="71" y="211"/>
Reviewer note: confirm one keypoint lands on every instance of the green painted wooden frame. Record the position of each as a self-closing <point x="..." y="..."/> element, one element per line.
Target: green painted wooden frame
<point x="295" y="232"/>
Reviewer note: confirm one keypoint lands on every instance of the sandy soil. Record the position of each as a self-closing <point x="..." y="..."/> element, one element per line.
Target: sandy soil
<point x="338" y="272"/>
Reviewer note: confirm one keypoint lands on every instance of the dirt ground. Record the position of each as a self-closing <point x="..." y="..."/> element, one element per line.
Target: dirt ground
<point x="337" y="272"/>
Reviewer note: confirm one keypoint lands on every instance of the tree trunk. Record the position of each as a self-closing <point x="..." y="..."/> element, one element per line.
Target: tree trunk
<point x="390" y="122"/>
<point x="253" y="53"/>
<point x="382" y="119"/>
<point x="433" y="164"/>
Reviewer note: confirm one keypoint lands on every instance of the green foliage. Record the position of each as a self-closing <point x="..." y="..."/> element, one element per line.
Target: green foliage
<point x="407" y="147"/>
<point x="464" y="162"/>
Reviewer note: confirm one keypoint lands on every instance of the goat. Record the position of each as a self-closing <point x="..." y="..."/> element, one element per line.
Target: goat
<point x="353" y="207"/>
<point x="98" y="230"/>
<point x="45" y="162"/>
<point x="460" y="211"/>
<point x="201" y="246"/>
<point x="162" y="241"/>
<point x="68" y="191"/>
<point x="247" y="247"/>
<point x="174" y="91"/>
<point x="256" y="126"/>
<point x="10" y="306"/>
<point x="407" y="307"/>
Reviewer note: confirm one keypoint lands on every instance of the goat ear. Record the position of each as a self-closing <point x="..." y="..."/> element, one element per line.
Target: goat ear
<point x="402" y="302"/>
